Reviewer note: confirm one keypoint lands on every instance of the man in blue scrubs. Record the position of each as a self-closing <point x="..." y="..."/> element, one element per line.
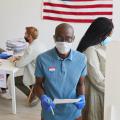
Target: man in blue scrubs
<point x="60" y="73"/>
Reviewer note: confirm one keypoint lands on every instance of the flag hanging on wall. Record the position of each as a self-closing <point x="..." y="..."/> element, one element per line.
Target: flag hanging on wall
<point x="76" y="11"/>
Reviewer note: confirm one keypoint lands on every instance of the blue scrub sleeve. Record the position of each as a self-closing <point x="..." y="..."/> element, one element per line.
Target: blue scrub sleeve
<point x="38" y="68"/>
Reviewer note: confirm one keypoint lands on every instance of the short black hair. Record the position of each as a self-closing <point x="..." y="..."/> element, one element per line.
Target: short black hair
<point x="96" y="33"/>
<point x="63" y="26"/>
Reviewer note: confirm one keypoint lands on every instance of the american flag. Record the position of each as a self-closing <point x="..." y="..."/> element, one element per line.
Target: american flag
<point x="76" y="11"/>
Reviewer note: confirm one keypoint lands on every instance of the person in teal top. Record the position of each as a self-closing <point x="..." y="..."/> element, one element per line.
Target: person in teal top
<point x="60" y="73"/>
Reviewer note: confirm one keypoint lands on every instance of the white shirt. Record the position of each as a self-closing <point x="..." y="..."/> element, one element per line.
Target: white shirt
<point x="28" y="62"/>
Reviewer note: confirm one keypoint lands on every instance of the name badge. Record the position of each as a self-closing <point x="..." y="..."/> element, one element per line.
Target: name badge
<point x="52" y="69"/>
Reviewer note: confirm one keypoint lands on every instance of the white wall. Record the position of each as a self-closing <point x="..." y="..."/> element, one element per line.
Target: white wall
<point x="17" y="14"/>
<point x="112" y="88"/>
<point x="116" y="20"/>
<point x="112" y="84"/>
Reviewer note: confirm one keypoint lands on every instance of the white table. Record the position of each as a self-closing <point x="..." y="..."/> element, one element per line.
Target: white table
<point x="11" y="69"/>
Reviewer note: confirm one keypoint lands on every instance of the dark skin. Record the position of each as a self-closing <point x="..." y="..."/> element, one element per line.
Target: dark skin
<point x="65" y="33"/>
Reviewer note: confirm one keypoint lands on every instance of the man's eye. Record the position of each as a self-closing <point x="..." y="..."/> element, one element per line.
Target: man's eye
<point x="59" y="38"/>
<point x="68" y="38"/>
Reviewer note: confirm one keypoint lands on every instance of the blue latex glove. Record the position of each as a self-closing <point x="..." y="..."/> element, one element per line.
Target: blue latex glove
<point x="4" y="56"/>
<point x="81" y="103"/>
<point x="47" y="103"/>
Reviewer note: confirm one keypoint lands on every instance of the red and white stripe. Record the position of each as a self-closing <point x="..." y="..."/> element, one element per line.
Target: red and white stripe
<point x="79" y="11"/>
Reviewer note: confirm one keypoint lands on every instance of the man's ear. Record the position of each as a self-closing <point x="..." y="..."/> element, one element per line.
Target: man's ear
<point x="73" y="38"/>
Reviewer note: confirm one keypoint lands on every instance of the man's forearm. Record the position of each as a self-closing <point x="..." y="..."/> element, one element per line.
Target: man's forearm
<point x="38" y="88"/>
<point x="81" y="87"/>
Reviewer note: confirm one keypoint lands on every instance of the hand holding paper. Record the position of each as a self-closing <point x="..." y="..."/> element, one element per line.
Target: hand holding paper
<point x="81" y="103"/>
<point x="47" y="103"/>
<point x="64" y="101"/>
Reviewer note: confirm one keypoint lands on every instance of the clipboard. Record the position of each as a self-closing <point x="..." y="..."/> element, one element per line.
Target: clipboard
<point x="64" y="101"/>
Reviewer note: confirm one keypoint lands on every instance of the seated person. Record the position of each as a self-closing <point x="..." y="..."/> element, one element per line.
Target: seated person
<point x="27" y="61"/>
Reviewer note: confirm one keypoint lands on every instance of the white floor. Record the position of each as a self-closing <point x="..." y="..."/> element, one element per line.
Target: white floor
<point x="24" y="112"/>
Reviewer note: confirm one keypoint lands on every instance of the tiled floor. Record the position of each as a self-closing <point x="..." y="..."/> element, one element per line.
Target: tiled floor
<point x="24" y="112"/>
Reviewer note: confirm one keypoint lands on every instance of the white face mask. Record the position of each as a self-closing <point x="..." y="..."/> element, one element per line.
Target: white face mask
<point x="63" y="47"/>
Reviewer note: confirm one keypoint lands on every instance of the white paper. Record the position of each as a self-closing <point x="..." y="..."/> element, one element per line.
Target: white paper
<point x="63" y="101"/>
<point x="2" y="79"/>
